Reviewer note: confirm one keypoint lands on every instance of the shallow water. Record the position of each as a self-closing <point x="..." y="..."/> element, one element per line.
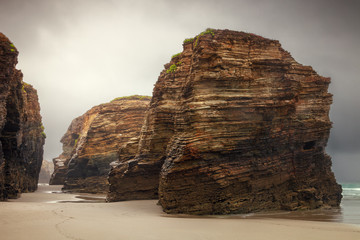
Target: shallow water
<point x="350" y="204"/>
<point x="73" y="197"/>
<point x="349" y="211"/>
<point x="84" y="199"/>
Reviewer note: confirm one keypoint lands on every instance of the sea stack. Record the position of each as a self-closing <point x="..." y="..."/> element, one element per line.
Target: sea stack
<point x="93" y="141"/>
<point x="21" y="131"/>
<point x="235" y="125"/>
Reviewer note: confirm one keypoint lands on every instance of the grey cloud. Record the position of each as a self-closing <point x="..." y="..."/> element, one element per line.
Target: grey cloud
<point x="82" y="53"/>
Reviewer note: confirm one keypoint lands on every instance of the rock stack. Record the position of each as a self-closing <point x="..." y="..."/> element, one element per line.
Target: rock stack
<point x="21" y="132"/>
<point x="235" y="125"/>
<point x="93" y="141"/>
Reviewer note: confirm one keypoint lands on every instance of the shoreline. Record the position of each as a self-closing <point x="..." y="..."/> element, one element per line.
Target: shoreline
<point x="317" y="215"/>
<point x="40" y="215"/>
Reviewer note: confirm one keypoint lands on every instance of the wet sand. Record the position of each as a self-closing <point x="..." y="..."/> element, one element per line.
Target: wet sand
<point x="47" y="215"/>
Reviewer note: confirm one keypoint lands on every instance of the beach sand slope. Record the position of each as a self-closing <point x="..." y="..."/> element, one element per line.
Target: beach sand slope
<point x="39" y="216"/>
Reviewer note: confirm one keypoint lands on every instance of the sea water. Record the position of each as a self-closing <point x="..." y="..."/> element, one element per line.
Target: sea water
<point x="349" y="211"/>
<point x="351" y="191"/>
<point x="350" y="204"/>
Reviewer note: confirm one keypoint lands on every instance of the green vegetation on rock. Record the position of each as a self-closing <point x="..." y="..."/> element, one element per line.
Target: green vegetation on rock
<point x="175" y="55"/>
<point x="187" y="40"/>
<point x="24" y="84"/>
<point x="12" y="47"/>
<point x="42" y="128"/>
<point x="207" y="31"/>
<point x="171" y="69"/>
<point x="132" y="97"/>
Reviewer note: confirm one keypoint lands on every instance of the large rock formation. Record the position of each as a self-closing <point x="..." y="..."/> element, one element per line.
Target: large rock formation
<point x="93" y="140"/>
<point x="21" y="131"/>
<point x="235" y="125"/>
<point x="47" y="168"/>
<point x="69" y="141"/>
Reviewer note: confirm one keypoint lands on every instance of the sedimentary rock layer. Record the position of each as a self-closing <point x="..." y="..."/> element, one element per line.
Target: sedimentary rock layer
<point x="93" y="140"/>
<point x="235" y="125"/>
<point x="69" y="141"/>
<point x="21" y="131"/>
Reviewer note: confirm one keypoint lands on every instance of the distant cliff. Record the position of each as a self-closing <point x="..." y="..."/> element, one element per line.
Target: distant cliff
<point x="93" y="141"/>
<point x="47" y="168"/>
<point x="235" y="125"/>
<point x="22" y="135"/>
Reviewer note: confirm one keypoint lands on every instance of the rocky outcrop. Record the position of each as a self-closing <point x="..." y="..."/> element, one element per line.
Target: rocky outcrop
<point x="22" y="135"/>
<point x="93" y="141"/>
<point x="235" y="125"/>
<point x="47" y="168"/>
<point x="69" y="141"/>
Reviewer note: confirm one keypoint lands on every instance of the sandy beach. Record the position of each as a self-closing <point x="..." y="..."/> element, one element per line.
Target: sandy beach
<point x="47" y="215"/>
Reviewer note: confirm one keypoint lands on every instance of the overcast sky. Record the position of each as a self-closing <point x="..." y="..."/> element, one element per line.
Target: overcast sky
<point x="81" y="53"/>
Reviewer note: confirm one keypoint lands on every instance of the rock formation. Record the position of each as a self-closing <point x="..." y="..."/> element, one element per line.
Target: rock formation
<point x="22" y="137"/>
<point x="47" y="168"/>
<point x="235" y="125"/>
<point x="93" y="140"/>
<point x="69" y="141"/>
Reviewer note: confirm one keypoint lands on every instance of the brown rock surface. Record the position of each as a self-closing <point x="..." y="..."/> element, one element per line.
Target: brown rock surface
<point x="69" y="141"/>
<point x="93" y="140"/>
<point x="235" y="125"/>
<point x="22" y="137"/>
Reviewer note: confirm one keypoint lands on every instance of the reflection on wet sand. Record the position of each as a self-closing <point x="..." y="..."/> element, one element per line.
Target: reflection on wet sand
<point x="85" y="199"/>
<point x="349" y="212"/>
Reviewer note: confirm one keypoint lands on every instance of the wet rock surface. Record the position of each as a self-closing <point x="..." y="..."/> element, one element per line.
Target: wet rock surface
<point x="22" y="135"/>
<point x="235" y="125"/>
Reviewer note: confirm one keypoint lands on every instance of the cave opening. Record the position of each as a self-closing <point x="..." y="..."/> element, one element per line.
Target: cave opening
<point x="309" y="145"/>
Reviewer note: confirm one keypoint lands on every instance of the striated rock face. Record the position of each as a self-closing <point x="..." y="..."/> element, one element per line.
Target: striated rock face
<point x="47" y="168"/>
<point x="22" y="137"/>
<point x="69" y="141"/>
<point x="235" y="125"/>
<point x="93" y="140"/>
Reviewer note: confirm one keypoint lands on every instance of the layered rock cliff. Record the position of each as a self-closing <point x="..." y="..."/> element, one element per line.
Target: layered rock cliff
<point x="93" y="141"/>
<point x="235" y="125"/>
<point x="69" y="141"/>
<point x="21" y="131"/>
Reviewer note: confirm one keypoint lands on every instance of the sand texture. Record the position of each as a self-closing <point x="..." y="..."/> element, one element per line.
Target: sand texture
<point x="40" y="215"/>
